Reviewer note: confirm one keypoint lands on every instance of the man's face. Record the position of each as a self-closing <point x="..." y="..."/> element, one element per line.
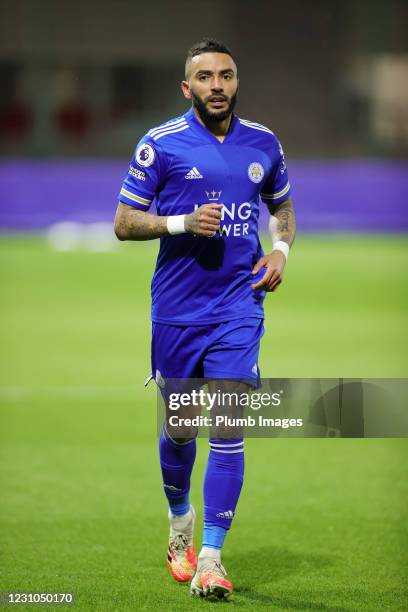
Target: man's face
<point x="212" y="85"/>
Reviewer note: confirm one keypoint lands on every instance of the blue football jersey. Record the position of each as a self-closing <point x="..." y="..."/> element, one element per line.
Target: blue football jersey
<point x="180" y="166"/>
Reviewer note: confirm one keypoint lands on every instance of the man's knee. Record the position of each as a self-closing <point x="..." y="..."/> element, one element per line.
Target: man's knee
<point x="182" y="435"/>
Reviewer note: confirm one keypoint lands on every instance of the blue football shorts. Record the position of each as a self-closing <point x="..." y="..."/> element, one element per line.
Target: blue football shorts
<point x="227" y="350"/>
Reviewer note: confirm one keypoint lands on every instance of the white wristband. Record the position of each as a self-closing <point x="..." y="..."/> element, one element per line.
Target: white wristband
<point x="281" y="246"/>
<point x="175" y="224"/>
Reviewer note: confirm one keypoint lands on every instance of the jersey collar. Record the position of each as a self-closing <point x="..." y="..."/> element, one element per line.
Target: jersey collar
<point x="194" y="122"/>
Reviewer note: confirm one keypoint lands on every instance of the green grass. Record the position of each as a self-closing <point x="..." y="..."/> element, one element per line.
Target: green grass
<point x="321" y="524"/>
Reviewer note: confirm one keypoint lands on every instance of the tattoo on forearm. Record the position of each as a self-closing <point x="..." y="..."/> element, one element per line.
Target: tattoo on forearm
<point x="139" y="225"/>
<point x="286" y="222"/>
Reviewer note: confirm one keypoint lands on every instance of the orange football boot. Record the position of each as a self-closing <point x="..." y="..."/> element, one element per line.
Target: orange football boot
<point x="209" y="580"/>
<point x="181" y="555"/>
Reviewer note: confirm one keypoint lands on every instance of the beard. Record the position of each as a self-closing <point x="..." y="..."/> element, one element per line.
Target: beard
<point x="211" y="116"/>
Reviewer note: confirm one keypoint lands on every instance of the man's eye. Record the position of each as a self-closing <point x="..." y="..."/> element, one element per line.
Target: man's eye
<point x="228" y="76"/>
<point x="203" y="76"/>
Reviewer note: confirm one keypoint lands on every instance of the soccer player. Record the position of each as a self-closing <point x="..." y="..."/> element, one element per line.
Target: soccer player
<point x="208" y="172"/>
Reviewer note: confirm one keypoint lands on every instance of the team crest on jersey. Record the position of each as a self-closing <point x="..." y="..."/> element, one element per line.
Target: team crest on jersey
<point x="256" y="172"/>
<point x="145" y="155"/>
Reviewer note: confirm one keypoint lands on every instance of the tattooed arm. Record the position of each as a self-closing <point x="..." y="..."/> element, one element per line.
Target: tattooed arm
<point x="284" y="221"/>
<point x="134" y="224"/>
<point x="283" y="225"/>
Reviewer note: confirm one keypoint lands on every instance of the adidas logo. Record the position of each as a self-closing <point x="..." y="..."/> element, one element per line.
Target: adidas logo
<point x="228" y="514"/>
<point x="172" y="488"/>
<point x="255" y="369"/>
<point x="194" y="174"/>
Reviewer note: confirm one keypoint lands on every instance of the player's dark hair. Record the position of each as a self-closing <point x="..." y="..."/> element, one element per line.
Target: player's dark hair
<point x="207" y="45"/>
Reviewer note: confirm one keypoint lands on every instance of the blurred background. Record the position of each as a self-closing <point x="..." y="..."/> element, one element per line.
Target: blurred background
<point x="85" y="81"/>
<point x="80" y="84"/>
<point x="88" y="78"/>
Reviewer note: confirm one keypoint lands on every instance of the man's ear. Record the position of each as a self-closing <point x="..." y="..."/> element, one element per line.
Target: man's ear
<point x="185" y="88"/>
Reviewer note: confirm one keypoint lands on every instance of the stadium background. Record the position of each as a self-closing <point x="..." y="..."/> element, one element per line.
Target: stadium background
<point x="321" y="524"/>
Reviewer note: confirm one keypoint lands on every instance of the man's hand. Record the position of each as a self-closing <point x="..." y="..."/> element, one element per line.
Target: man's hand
<point x="274" y="264"/>
<point x="204" y="221"/>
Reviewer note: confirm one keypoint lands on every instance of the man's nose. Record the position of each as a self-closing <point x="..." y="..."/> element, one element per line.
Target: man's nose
<point x="217" y="84"/>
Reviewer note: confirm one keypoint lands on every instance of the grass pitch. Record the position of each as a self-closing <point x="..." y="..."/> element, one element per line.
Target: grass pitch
<point x="321" y="524"/>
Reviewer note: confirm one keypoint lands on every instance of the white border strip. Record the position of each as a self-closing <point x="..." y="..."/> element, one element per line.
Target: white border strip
<point x="164" y="126"/>
<point x="180" y="129"/>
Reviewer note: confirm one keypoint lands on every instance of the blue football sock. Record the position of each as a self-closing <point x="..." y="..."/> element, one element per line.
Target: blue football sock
<point x="176" y="461"/>
<point x="213" y="536"/>
<point x="222" y="486"/>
